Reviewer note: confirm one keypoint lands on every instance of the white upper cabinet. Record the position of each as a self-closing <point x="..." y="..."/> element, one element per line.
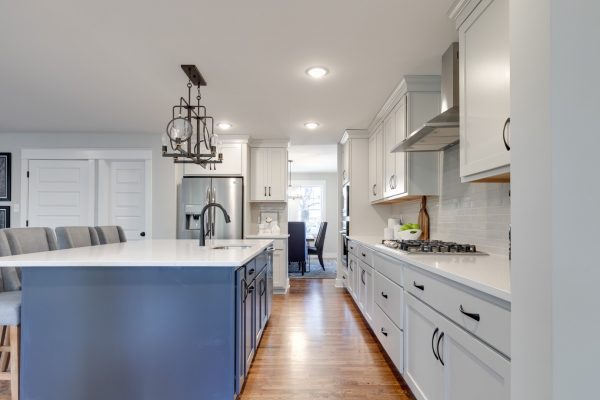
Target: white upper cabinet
<point x="231" y="166"/>
<point x="346" y="162"/>
<point x="405" y="175"/>
<point x="375" y="167"/>
<point x="268" y="174"/>
<point x="484" y="91"/>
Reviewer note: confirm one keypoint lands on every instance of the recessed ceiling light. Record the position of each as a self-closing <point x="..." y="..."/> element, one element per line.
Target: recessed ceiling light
<point x="311" y="125"/>
<point x="224" y="125"/>
<point x="317" y="72"/>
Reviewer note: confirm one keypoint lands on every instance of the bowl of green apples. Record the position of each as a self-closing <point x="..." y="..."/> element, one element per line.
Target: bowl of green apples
<point x="409" y="232"/>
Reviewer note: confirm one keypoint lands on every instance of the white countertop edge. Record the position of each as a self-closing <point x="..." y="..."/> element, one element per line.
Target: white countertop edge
<point x="474" y="284"/>
<point x="164" y="253"/>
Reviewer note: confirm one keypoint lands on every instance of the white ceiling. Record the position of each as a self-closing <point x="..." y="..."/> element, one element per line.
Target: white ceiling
<point x="114" y="66"/>
<point x="311" y="158"/>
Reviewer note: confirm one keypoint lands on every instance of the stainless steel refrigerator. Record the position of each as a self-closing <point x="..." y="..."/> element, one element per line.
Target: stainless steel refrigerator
<point x="196" y="192"/>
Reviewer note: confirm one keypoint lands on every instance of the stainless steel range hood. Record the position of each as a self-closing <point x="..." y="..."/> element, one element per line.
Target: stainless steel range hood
<point x="440" y="132"/>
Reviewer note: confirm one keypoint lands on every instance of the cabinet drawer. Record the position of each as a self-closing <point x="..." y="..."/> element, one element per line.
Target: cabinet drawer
<point x="365" y="255"/>
<point x="389" y="267"/>
<point x="390" y="297"/>
<point x="448" y="297"/>
<point x="255" y="267"/>
<point x="390" y="337"/>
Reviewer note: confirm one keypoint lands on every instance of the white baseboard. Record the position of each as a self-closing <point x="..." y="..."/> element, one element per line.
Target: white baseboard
<point x="339" y="283"/>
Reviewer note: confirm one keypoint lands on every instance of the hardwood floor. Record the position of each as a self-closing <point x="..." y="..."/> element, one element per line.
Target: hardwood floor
<point x="317" y="346"/>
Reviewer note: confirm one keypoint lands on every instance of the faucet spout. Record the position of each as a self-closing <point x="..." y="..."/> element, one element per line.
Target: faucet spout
<point x="206" y="207"/>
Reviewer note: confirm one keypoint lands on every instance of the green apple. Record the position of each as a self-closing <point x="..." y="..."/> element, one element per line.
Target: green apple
<point x="406" y="227"/>
<point x="415" y="226"/>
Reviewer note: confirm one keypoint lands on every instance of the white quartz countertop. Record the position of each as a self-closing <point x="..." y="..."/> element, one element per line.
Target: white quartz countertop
<point x="145" y="253"/>
<point x="487" y="273"/>
<point x="269" y="236"/>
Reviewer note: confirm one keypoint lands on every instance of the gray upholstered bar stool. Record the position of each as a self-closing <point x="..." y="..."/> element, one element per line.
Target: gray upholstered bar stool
<point x="10" y="321"/>
<point x="30" y="240"/>
<point x="76" y="236"/>
<point x="111" y="234"/>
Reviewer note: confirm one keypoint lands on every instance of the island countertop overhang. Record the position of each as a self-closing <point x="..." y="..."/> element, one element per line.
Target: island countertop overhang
<point x="147" y="253"/>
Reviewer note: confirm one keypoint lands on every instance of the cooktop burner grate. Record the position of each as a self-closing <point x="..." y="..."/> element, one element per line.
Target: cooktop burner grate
<point x="432" y="247"/>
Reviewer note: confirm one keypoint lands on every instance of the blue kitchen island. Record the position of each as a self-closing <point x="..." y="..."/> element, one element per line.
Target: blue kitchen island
<point x="148" y="320"/>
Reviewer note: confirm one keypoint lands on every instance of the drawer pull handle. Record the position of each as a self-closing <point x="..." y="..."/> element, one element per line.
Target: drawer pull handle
<point x="385" y="296"/>
<point x="433" y="341"/>
<point x="251" y="272"/>
<point x="384" y="332"/>
<point x="362" y="277"/>
<point x="470" y="315"/>
<point x="420" y="287"/>
<point x="437" y="347"/>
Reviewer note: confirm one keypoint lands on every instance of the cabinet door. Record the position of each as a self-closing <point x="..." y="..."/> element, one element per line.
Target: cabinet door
<point x="423" y="371"/>
<point x="258" y="174"/>
<point x="389" y="139"/>
<point x="484" y="88"/>
<point x="373" y="167"/>
<point x="369" y="298"/>
<point x="399" y="178"/>
<point x="249" y="318"/>
<point x="351" y="266"/>
<point x="277" y="171"/>
<point x="472" y="370"/>
<point x="346" y="162"/>
<point x="376" y="164"/>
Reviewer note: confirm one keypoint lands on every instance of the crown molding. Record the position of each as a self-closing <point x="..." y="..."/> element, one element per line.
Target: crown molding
<point x="461" y="9"/>
<point x="410" y="83"/>
<point x="354" y="134"/>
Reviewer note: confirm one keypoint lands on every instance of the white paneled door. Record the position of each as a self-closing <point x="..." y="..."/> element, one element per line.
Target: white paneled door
<point x="127" y="197"/>
<point x="61" y="193"/>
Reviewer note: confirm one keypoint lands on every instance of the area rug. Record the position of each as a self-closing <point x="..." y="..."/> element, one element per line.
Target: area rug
<point x="316" y="271"/>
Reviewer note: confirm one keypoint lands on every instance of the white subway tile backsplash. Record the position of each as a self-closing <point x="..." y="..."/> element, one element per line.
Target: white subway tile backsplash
<point x="476" y="213"/>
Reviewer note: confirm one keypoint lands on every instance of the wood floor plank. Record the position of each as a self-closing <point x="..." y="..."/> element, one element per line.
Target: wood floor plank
<point x="317" y="346"/>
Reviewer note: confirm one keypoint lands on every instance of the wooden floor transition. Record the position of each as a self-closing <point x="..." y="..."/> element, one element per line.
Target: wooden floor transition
<point x="317" y="346"/>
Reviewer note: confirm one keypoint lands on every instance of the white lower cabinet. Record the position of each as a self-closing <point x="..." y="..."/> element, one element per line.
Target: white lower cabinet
<point x="445" y="362"/>
<point x="352" y="267"/>
<point x="365" y="292"/>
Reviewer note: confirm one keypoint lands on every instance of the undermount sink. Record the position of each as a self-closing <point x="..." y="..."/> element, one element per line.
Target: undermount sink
<point x="231" y="247"/>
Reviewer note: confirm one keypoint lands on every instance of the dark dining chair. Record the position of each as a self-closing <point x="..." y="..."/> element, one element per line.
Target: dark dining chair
<point x="317" y="249"/>
<point x="297" y="251"/>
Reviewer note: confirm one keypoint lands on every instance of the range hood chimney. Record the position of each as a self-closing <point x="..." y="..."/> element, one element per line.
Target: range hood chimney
<point x="440" y="132"/>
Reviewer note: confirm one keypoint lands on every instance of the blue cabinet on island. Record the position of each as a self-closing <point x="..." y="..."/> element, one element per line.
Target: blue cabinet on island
<point x="159" y="319"/>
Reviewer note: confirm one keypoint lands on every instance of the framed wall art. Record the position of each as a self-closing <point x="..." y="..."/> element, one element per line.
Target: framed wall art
<point x="4" y="217"/>
<point x="5" y="176"/>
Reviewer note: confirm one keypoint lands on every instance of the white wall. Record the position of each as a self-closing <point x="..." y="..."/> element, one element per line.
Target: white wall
<point x="477" y="213"/>
<point x="555" y="274"/>
<point x="531" y="179"/>
<point x="163" y="170"/>
<point x="331" y="207"/>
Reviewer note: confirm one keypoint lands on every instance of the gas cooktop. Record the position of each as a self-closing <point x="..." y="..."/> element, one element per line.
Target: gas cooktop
<point x="438" y="247"/>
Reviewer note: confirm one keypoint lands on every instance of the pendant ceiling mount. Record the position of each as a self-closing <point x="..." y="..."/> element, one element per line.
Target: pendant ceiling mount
<point x="190" y="137"/>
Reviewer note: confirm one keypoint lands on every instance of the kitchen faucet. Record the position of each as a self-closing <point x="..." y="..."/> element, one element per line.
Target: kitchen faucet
<point x="206" y="207"/>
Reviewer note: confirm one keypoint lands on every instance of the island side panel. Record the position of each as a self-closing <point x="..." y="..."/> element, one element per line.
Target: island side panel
<point x="128" y="333"/>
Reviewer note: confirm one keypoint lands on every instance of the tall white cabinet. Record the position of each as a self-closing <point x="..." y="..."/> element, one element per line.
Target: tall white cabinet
<point x="484" y="59"/>
<point x="396" y="176"/>
<point x="268" y="174"/>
